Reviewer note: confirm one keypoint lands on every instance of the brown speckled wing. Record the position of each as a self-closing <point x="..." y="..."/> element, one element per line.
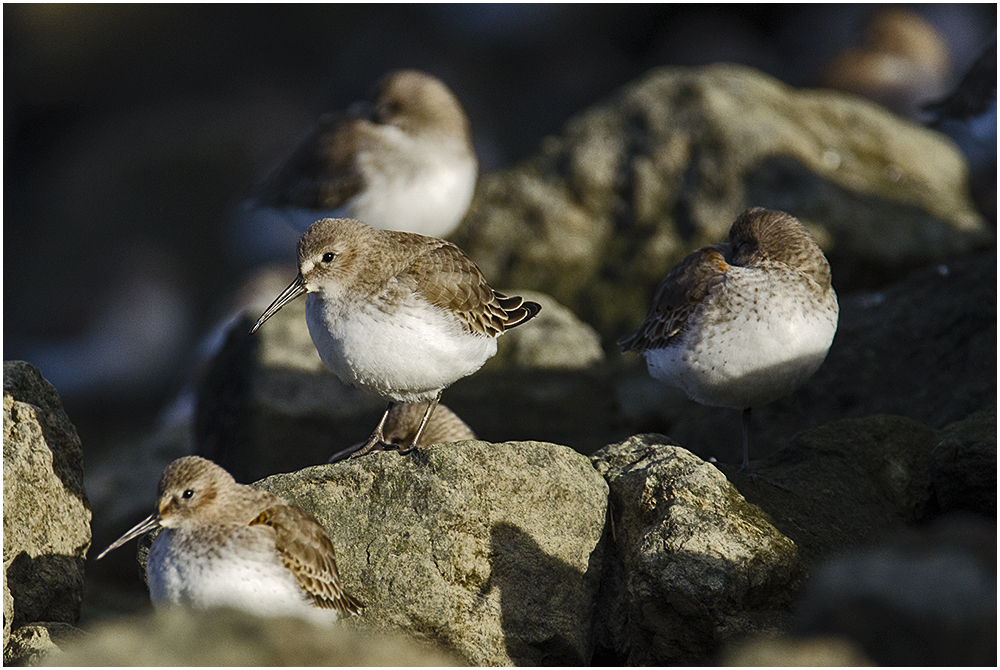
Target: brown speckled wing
<point x="309" y="554"/>
<point x="444" y="275"/>
<point x="676" y="298"/>
<point x="322" y="172"/>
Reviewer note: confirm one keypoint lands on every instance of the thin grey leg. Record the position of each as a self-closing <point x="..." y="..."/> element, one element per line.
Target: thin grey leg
<point x="423" y="422"/>
<point x="377" y="439"/>
<point x="746" y="439"/>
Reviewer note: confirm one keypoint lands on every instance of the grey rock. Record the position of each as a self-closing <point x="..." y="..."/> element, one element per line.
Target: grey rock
<point x="492" y="551"/>
<point x="897" y="348"/>
<point x="792" y="652"/>
<point x="844" y="485"/>
<point x="8" y="609"/>
<point x="964" y="465"/>
<point x="926" y="596"/>
<point x="230" y="637"/>
<point x="40" y="643"/>
<point x="577" y="408"/>
<point x="633" y="184"/>
<point x="692" y="564"/>
<point x="46" y="520"/>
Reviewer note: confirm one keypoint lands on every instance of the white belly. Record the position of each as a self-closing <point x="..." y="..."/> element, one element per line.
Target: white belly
<point x="248" y="575"/>
<point x="429" y="198"/>
<point x="758" y="350"/>
<point x="406" y="356"/>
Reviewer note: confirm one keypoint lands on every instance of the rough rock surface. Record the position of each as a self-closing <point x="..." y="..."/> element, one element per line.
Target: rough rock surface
<point x="39" y="643"/>
<point x="897" y="348"/>
<point x="229" y="637"/>
<point x="8" y="610"/>
<point x="601" y="214"/>
<point x="693" y="564"/>
<point x="863" y="501"/>
<point x="46" y="516"/>
<point x="492" y="551"/>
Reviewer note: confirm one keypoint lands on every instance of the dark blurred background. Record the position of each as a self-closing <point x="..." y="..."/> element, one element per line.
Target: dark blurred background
<point x="130" y="133"/>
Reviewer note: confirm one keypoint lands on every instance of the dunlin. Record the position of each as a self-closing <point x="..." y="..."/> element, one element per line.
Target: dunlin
<point x="224" y="544"/>
<point x="745" y="322"/>
<point x="399" y="314"/>
<point x="903" y="61"/>
<point x="404" y="420"/>
<point x="404" y="163"/>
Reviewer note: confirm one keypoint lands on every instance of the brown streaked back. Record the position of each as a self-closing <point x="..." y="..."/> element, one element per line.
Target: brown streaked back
<point x="676" y="298"/>
<point x="322" y="171"/>
<point x="444" y="275"/>
<point x="308" y="553"/>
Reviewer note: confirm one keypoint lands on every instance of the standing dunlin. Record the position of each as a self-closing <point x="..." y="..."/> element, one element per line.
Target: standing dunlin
<point x="404" y="163"/>
<point x="225" y="544"/>
<point x="744" y="322"/>
<point x="399" y="314"/>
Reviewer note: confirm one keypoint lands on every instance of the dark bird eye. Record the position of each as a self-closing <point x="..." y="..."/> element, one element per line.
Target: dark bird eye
<point x="187" y="494"/>
<point x="327" y="257"/>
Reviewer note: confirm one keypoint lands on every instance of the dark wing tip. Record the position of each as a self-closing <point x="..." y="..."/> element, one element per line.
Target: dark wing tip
<point x="629" y="342"/>
<point x="516" y="309"/>
<point x="526" y="311"/>
<point x="351" y="605"/>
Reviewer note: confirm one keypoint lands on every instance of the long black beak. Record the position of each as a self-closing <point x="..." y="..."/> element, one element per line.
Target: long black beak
<point x="294" y="290"/>
<point x="151" y="522"/>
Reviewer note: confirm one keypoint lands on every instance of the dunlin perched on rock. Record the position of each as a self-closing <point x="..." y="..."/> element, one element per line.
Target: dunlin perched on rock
<point x="400" y="314"/>
<point x="224" y="544"/>
<point x="405" y="162"/>
<point x="744" y="322"/>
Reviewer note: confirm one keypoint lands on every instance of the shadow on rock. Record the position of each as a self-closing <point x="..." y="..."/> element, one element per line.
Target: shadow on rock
<point x="691" y="565"/>
<point x="45" y="588"/>
<point x="533" y="593"/>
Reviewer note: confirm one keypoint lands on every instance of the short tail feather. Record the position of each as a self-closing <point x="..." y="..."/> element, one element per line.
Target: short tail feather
<point x="517" y="308"/>
<point x="347" y="604"/>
